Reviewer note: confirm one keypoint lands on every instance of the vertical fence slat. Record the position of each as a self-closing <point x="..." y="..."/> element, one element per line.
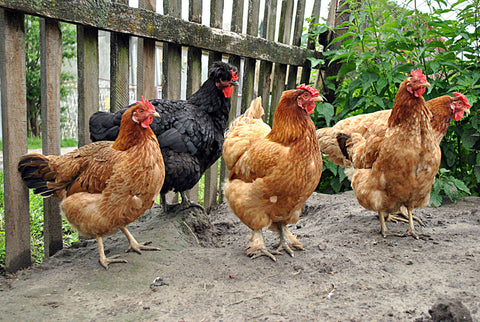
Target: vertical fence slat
<point x="88" y="72"/>
<point x="51" y="68"/>
<point x="146" y="60"/>
<point x="249" y="67"/>
<point x="119" y="50"/>
<point x="280" y="72"/>
<point x="211" y="175"/>
<point x="266" y="67"/>
<point x="236" y="26"/>
<point x="306" y="70"/>
<point x="172" y="67"/>
<point x="296" y="41"/>
<point x="194" y="71"/>
<point x="14" y="134"/>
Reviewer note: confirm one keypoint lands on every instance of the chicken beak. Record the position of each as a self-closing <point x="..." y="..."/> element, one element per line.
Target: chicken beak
<point x="467" y="110"/>
<point x="318" y="99"/>
<point x="234" y="83"/>
<point x="155" y="114"/>
<point x="426" y="84"/>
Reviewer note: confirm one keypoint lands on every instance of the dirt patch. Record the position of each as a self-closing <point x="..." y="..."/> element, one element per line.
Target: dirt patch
<point x="347" y="271"/>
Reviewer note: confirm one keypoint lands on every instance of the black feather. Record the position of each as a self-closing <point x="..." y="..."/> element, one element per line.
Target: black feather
<point x="189" y="132"/>
<point x="342" y="143"/>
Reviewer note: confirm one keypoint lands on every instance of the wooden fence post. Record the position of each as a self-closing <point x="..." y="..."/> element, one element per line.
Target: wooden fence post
<point x="51" y="68"/>
<point x="211" y="175"/>
<point x="194" y="71"/>
<point x="306" y="70"/>
<point x="119" y="82"/>
<point x="87" y="69"/>
<point x="172" y="68"/>
<point x="280" y="71"/>
<point x="249" y="67"/>
<point x="266" y="67"/>
<point x="14" y="130"/>
<point x="297" y="40"/>
<point x="146" y="60"/>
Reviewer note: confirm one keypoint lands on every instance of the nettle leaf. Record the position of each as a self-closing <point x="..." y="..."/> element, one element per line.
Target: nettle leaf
<point x="435" y="199"/>
<point x="327" y="164"/>
<point x="470" y="137"/>
<point x="326" y="110"/>
<point x="316" y="61"/>
<point x="460" y="185"/>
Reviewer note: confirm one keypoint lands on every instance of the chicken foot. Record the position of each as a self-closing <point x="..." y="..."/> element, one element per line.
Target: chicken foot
<point x="104" y="261"/>
<point x="134" y="245"/>
<point x="287" y="240"/>
<point x="384" y="230"/>
<point x="184" y="204"/>
<point x="411" y="228"/>
<point x="257" y="248"/>
<point x="403" y="212"/>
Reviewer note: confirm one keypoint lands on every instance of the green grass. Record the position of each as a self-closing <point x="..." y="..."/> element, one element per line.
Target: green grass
<point x="36" y="143"/>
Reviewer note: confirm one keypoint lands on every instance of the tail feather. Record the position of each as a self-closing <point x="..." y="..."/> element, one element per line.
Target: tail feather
<point x="36" y="173"/>
<point x="255" y="111"/>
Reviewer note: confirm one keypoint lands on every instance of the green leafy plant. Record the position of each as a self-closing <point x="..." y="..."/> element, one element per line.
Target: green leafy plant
<point x="381" y="44"/>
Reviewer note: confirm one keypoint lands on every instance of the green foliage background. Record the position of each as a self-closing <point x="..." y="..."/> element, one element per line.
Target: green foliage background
<point x="383" y="42"/>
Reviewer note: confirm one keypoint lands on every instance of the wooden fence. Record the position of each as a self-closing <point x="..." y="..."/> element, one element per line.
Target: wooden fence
<point x="278" y="57"/>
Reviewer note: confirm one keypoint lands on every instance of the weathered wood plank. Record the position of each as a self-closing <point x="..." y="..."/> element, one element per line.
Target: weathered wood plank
<point x="211" y="175"/>
<point x="146" y="60"/>
<point x="14" y="134"/>
<point x="51" y="68"/>
<point x="194" y="71"/>
<point x="171" y="68"/>
<point x="266" y="67"/>
<point x="116" y="17"/>
<point x="250" y="63"/>
<point x="296" y="41"/>
<point x="280" y="71"/>
<point x="307" y="70"/>
<point x="88" y="71"/>
<point x="119" y="51"/>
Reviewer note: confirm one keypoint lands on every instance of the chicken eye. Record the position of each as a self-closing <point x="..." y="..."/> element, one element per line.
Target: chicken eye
<point x="141" y="111"/>
<point x="305" y="95"/>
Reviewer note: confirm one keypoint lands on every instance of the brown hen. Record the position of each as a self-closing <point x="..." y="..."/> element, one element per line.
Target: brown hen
<point x="104" y="186"/>
<point x="273" y="171"/>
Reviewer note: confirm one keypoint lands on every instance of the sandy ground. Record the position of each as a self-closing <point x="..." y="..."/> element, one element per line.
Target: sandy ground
<point x="347" y="272"/>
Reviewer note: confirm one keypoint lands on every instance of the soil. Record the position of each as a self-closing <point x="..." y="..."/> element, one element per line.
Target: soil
<point x="347" y="272"/>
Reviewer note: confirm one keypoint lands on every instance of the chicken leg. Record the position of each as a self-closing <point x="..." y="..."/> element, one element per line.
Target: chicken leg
<point x="403" y="212"/>
<point x="104" y="261"/>
<point x="257" y="248"/>
<point x="184" y="204"/>
<point x="287" y="240"/>
<point x="134" y="245"/>
<point x="411" y="227"/>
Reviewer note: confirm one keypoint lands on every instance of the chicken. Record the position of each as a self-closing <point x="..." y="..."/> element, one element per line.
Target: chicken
<point x="396" y="169"/>
<point x="443" y="108"/>
<point x="273" y="171"/>
<point x="190" y="133"/>
<point x="104" y="186"/>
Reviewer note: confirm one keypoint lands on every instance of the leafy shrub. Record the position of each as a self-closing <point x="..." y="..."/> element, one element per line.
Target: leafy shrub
<point x="382" y="43"/>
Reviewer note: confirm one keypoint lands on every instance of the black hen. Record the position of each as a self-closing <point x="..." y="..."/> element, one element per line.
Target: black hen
<point x="190" y="133"/>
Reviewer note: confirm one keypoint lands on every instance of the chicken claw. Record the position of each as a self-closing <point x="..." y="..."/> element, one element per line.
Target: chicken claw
<point x="257" y="247"/>
<point x="404" y="213"/>
<point x="134" y="245"/>
<point x="104" y="261"/>
<point x="287" y="239"/>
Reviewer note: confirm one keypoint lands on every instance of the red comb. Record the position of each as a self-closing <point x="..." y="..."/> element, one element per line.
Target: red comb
<point x="147" y="104"/>
<point x="312" y="90"/>
<point x="418" y="73"/>
<point x="234" y="75"/>
<point x="463" y="98"/>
